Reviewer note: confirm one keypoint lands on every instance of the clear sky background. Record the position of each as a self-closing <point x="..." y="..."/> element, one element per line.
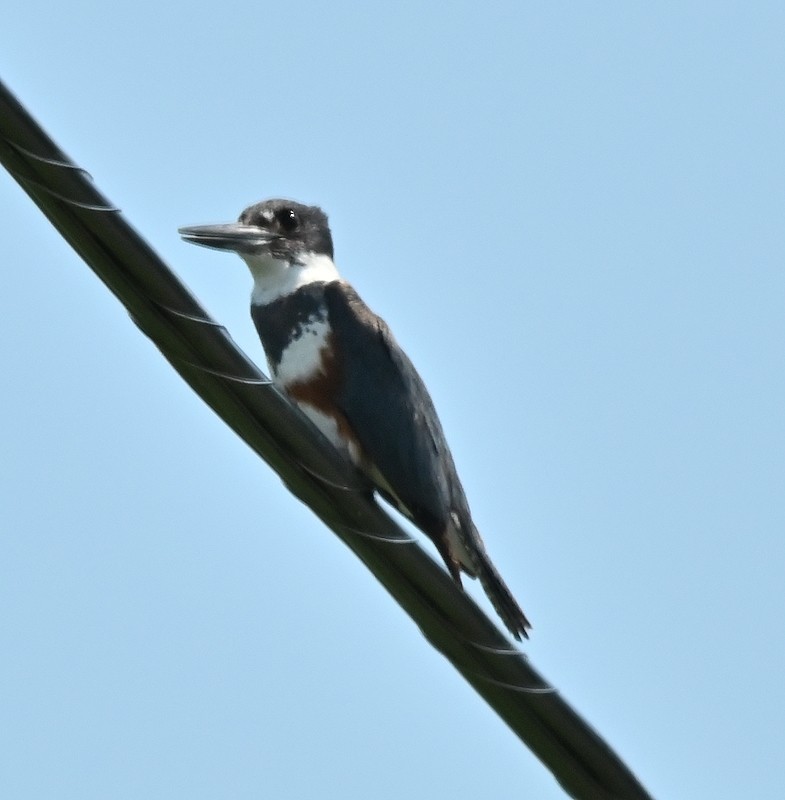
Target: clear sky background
<point x="572" y="217"/>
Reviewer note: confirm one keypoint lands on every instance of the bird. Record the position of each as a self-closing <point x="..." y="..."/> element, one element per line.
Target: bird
<point x="340" y="364"/>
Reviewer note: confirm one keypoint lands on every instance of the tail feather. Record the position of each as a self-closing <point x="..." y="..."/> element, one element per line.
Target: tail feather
<point x="501" y="598"/>
<point x="462" y="548"/>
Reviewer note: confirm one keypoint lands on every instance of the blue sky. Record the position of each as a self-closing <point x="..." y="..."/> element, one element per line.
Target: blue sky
<point x="572" y="219"/>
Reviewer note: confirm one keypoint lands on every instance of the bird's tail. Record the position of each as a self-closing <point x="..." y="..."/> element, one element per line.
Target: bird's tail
<point x="499" y="594"/>
<point x="462" y="549"/>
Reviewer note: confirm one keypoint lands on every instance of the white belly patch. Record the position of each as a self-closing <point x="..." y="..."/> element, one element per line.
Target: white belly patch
<point x="329" y="427"/>
<point x="303" y="361"/>
<point x="325" y="423"/>
<point x="302" y="358"/>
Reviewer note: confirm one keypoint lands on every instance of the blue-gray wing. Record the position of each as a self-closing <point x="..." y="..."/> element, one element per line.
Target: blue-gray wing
<point x="392" y="417"/>
<point x="391" y="413"/>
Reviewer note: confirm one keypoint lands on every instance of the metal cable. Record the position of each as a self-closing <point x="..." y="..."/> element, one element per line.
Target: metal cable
<point x="205" y="356"/>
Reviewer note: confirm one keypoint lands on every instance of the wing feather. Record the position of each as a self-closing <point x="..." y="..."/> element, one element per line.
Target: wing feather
<point x="391" y="413"/>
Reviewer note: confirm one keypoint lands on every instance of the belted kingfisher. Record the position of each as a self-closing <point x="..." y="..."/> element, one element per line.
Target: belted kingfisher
<point x="341" y="365"/>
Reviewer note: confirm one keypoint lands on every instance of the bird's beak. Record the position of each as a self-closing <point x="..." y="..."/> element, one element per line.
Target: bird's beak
<point x="233" y="236"/>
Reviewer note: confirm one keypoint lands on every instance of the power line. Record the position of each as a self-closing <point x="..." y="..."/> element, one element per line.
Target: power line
<point x="205" y="356"/>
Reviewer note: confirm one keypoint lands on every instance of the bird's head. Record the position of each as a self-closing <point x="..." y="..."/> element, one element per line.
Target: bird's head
<point x="285" y="244"/>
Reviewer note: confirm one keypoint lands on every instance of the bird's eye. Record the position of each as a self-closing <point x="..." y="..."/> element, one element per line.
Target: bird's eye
<point x="288" y="219"/>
